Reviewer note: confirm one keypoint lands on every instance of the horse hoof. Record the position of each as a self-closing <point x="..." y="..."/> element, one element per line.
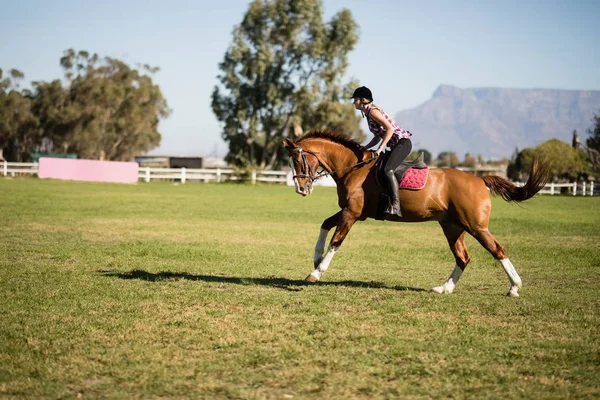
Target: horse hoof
<point x="512" y="293"/>
<point x="311" y="278"/>
<point x="437" y="289"/>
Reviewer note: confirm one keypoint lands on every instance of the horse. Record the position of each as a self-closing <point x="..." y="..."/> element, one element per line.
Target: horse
<point x="458" y="201"/>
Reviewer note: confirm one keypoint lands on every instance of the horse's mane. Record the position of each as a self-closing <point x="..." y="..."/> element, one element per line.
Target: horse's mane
<point x="333" y="137"/>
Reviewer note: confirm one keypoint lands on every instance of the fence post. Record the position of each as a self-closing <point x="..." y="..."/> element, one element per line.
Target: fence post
<point x="583" y="188"/>
<point x="552" y="188"/>
<point x="218" y="175"/>
<point x="253" y="177"/>
<point x="591" y="188"/>
<point x="147" y="174"/>
<point x="183" y="175"/>
<point x="5" y="168"/>
<point x="575" y="188"/>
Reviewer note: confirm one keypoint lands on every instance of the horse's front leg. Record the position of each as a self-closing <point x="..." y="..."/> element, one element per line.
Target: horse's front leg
<point x="325" y="228"/>
<point x="345" y="219"/>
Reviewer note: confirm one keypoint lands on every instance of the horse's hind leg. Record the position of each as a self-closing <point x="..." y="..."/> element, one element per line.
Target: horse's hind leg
<point x="456" y="239"/>
<point x="497" y="250"/>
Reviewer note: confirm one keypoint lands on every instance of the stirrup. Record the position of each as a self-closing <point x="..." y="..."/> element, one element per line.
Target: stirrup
<point x="393" y="209"/>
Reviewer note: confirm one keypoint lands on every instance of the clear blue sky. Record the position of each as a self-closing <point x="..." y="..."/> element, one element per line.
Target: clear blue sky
<point x="406" y="48"/>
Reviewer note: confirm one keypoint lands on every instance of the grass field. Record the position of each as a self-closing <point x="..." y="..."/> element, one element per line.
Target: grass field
<point x="195" y="291"/>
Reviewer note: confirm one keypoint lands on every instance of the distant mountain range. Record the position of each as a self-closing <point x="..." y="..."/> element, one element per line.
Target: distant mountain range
<point x="492" y="122"/>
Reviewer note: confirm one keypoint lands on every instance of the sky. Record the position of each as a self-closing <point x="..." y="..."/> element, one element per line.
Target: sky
<point x="406" y="49"/>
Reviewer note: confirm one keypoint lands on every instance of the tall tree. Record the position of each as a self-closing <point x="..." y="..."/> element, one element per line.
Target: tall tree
<point x="107" y="110"/>
<point x="447" y="159"/>
<point x="111" y="112"/>
<point x="520" y="164"/>
<point x="566" y="162"/>
<point x="53" y="106"/>
<point x="593" y="144"/>
<point x="19" y="132"/>
<point x="469" y="161"/>
<point x="282" y="74"/>
<point x="575" y="141"/>
<point x="593" y="141"/>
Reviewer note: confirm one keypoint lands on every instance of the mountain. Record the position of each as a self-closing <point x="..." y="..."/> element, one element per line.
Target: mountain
<point x="492" y="122"/>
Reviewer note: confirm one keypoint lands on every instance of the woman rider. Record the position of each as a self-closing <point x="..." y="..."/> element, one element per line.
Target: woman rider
<point x="388" y="133"/>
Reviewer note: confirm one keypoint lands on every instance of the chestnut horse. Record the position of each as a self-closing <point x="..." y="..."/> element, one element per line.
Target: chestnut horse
<point x="459" y="201"/>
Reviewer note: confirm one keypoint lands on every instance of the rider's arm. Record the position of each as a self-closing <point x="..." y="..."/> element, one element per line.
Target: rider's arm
<point x="373" y="142"/>
<point x="389" y="130"/>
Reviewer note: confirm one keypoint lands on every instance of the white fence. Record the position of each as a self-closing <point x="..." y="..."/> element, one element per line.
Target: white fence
<point x="575" y="188"/>
<point x="14" y="168"/>
<point x="208" y="175"/>
<point x="183" y="175"/>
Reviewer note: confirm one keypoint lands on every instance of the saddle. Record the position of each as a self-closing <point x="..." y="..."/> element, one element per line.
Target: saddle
<point x="412" y="174"/>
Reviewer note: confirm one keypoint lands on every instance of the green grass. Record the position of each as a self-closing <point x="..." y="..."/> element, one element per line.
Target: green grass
<point x="195" y="291"/>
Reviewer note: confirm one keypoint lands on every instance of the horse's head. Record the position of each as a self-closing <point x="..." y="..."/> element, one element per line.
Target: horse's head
<point x="304" y="164"/>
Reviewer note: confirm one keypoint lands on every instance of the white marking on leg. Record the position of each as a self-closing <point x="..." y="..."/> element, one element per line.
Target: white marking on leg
<point x="322" y="267"/>
<point x="327" y="259"/>
<point x="316" y="274"/>
<point x="513" y="277"/>
<point x="320" y="247"/>
<point x="448" y="286"/>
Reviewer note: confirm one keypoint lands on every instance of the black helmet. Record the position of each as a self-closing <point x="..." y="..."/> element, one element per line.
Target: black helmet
<point x="363" y="92"/>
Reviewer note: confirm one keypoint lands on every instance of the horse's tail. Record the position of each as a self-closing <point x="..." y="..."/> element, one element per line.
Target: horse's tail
<point x="538" y="178"/>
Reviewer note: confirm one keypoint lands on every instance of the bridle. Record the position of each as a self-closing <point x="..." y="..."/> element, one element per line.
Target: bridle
<point x="308" y="170"/>
<point x="306" y="166"/>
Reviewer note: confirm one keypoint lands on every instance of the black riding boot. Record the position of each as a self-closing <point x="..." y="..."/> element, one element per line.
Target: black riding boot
<point x="394" y="207"/>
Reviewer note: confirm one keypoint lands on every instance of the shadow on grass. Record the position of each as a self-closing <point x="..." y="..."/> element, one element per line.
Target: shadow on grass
<point x="280" y="283"/>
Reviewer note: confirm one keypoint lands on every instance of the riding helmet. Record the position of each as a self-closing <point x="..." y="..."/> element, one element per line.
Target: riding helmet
<point x="363" y="92"/>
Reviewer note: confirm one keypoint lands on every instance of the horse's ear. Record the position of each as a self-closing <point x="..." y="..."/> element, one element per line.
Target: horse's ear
<point x="288" y="144"/>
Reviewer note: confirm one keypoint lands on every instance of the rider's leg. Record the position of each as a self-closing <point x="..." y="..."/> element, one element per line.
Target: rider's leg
<point x="394" y="207"/>
<point x="399" y="153"/>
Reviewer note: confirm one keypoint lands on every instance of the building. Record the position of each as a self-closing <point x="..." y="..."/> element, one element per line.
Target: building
<point x="169" y="162"/>
<point x="483" y="170"/>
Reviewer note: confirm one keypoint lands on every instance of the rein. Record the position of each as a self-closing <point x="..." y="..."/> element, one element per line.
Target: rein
<point x="307" y="168"/>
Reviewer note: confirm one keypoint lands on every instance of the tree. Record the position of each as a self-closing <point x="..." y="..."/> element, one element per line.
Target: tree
<point x="575" y="141"/>
<point x="19" y="131"/>
<point x="109" y="112"/>
<point x="593" y="144"/>
<point x="282" y="74"/>
<point x="593" y="141"/>
<point x="566" y="163"/>
<point x="55" y="110"/>
<point x="106" y="110"/>
<point x="520" y="165"/>
<point x="447" y="159"/>
<point x="469" y="161"/>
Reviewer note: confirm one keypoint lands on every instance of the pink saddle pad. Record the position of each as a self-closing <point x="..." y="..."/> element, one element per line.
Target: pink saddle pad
<point x="414" y="178"/>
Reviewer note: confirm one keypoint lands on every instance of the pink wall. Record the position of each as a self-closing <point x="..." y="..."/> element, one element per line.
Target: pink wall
<point x="88" y="170"/>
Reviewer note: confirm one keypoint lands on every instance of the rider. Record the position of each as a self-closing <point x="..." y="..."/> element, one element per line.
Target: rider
<point x="390" y="134"/>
